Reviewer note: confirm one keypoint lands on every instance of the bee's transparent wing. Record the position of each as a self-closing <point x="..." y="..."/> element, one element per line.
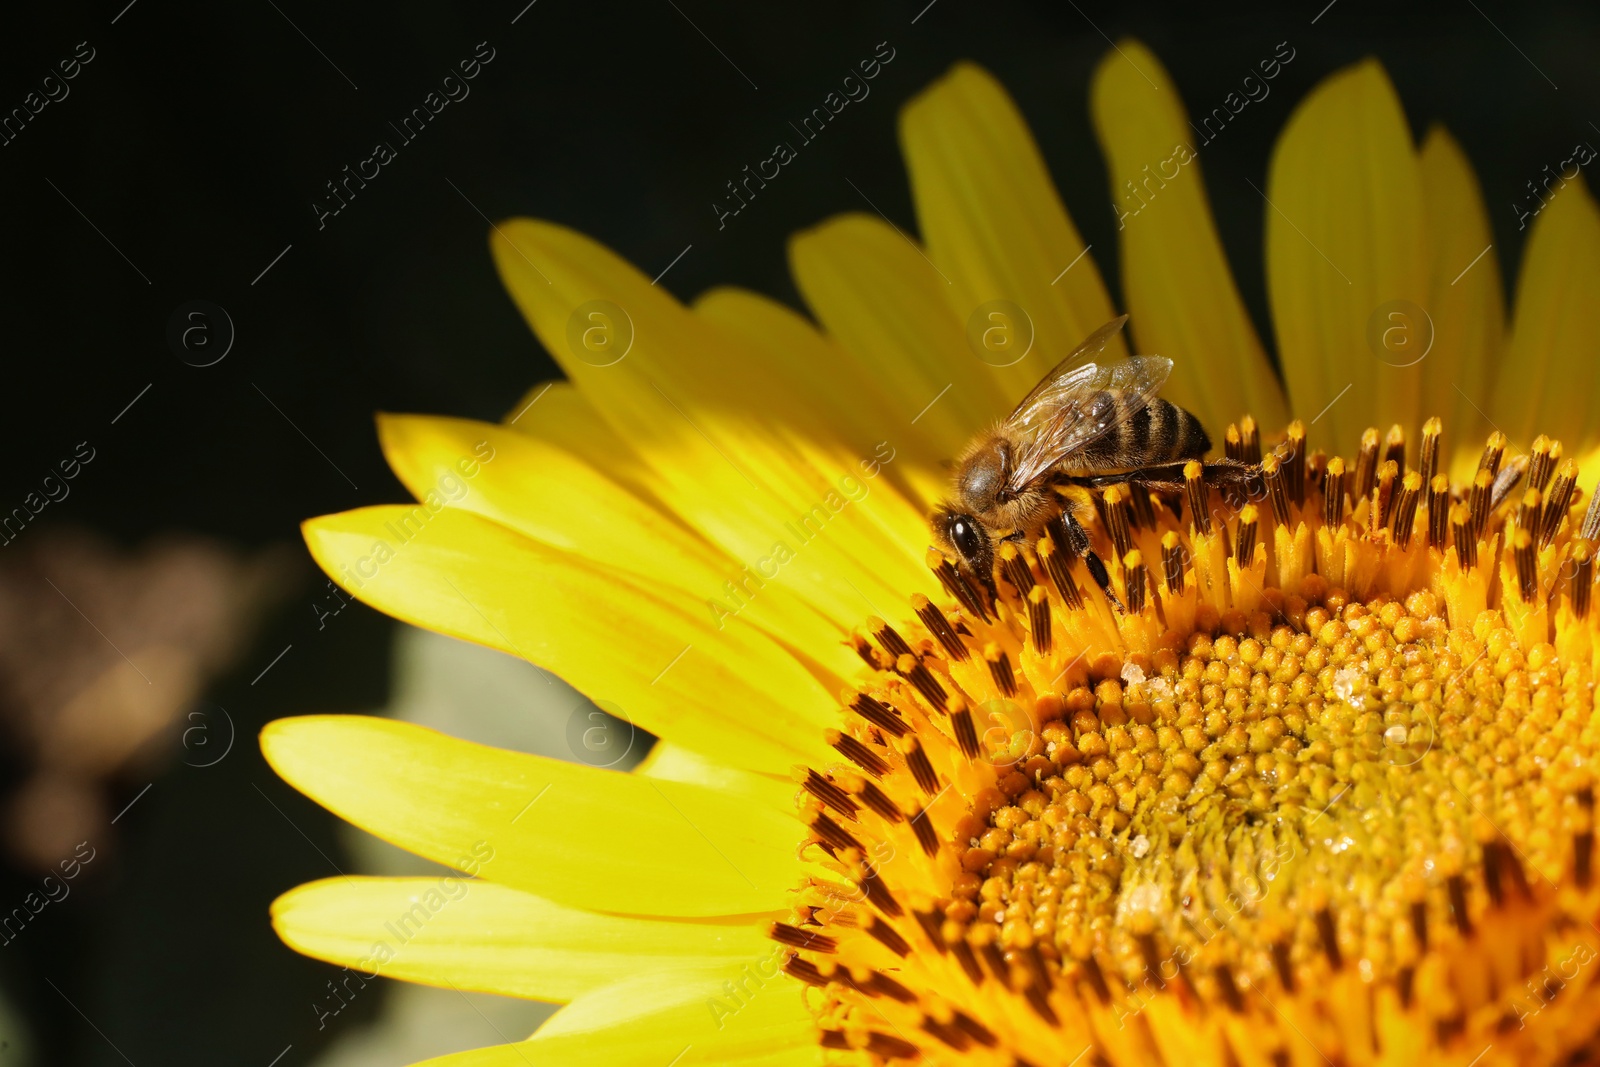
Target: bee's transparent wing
<point x="1071" y="373"/>
<point x="1071" y="413"/>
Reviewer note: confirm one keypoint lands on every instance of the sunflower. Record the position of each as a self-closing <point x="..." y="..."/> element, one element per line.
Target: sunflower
<point x="1319" y="791"/>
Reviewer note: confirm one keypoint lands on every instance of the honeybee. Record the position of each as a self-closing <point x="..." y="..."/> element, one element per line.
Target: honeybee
<point x="1086" y="424"/>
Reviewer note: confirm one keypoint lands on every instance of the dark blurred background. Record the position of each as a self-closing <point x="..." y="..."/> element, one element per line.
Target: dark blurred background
<point x="182" y="166"/>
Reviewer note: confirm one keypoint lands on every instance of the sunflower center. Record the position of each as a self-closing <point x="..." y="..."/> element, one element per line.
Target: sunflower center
<point x="1322" y="790"/>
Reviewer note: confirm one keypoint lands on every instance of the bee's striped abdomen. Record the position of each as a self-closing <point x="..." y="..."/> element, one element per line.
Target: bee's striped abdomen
<point x="1160" y="432"/>
<point x="1188" y="439"/>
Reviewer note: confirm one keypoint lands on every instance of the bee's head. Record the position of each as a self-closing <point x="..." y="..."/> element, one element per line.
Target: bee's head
<point x="963" y="539"/>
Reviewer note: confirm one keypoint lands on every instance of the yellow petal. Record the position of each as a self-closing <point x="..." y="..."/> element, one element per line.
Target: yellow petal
<point x="677" y="1020"/>
<point x="655" y="652"/>
<point x="875" y="291"/>
<point x="556" y="413"/>
<point x="1346" y="263"/>
<point x="678" y="764"/>
<point x="576" y="835"/>
<point x="555" y="497"/>
<point x="688" y="399"/>
<point x="748" y="1014"/>
<point x="1180" y="293"/>
<point x="993" y="223"/>
<point x="477" y="935"/>
<point x="543" y="492"/>
<point x="1467" y="307"/>
<point x="828" y="381"/>
<point x="1548" y="381"/>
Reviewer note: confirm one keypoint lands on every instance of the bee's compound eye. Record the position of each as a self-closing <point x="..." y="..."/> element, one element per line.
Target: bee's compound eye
<point x="965" y="536"/>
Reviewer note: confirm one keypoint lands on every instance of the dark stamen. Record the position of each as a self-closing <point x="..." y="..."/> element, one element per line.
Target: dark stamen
<point x="795" y="937"/>
<point x="879" y="896"/>
<point x="1038" y="998"/>
<point x="1590" y="531"/>
<point x="869" y="655"/>
<point x="1438" y="512"/>
<point x="969" y="962"/>
<point x="1405" y="509"/>
<point x="1116" y="505"/>
<point x="1055" y="565"/>
<point x="1493" y="855"/>
<point x="1095" y="977"/>
<point x="1293" y="451"/>
<point x="1456" y="886"/>
<point x="1394" y="446"/>
<point x="921" y="767"/>
<point x="1542" y="463"/>
<point x="1223" y="975"/>
<point x="830" y="794"/>
<point x="857" y="753"/>
<point x="832" y="833"/>
<point x="1406" y="984"/>
<point x="1329" y="932"/>
<point x="931" y="921"/>
<point x="1493" y="451"/>
<point x="882" y="985"/>
<point x="1134" y="578"/>
<point x="1527" y="559"/>
<point x="1194" y="484"/>
<point x="889" y="638"/>
<point x="1283" y="965"/>
<point x="956" y="584"/>
<point x="879" y="714"/>
<point x="961" y="724"/>
<point x="1428" y="464"/>
<point x="939" y="627"/>
<point x="1244" y="548"/>
<point x="1478" y="502"/>
<point x="1039" y="619"/>
<point x="1506" y="480"/>
<point x="1366" y="465"/>
<point x="1277" y="491"/>
<point x="876" y="799"/>
<point x="994" y="961"/>
<point x="916" y="672"/>
<point x="1382" y="496"/>
<point x="946" y="1033"/>
<point x="1000" y="670"/>
<point x="1144" y="513"/>
<point x="1583" y="858"/>
<point x="806" y="971"/>
<point x="1530" y="516"/>
<point x="891" y="1047"/>
<point x="887" y="936"/>
<point x="1249" y="440"/>
<point x="1466" y="543"/>
<point x="974" y="1029"/>
<point x="1015" y="568"/>
<point x="1557" y="501"/>
<point x="1333" y="493"/>
<point x="1582" y="577"/>
<point x="1172" y="563"/>
<point x="1152" y="958"/>
<point x="927" y="837"/>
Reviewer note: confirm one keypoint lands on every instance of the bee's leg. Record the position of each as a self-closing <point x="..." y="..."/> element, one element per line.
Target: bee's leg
<point x="1066" y="529"/>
